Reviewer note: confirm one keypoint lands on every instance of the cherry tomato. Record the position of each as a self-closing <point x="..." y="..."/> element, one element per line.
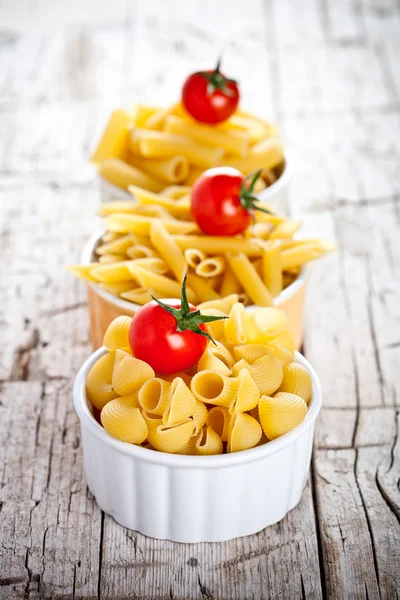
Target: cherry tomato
<point x="209" y="97"/>
<point x="170" y="337"/>
<point x="223" y="201"/>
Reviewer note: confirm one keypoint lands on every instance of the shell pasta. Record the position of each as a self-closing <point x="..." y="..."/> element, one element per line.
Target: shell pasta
<point x="244" y="391"/>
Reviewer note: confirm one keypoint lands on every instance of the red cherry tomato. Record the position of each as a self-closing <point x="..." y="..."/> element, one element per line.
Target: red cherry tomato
<point x="209" y="97"/>
<point x="154" y="338"/>
<point x="222" y="201"/>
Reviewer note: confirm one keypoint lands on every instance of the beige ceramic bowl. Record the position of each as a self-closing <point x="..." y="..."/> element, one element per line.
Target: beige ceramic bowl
<point x="104" y="307"/>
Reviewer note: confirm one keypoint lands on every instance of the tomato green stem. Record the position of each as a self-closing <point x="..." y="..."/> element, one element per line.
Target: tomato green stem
<point x="217" y="81"/>
<point x="246" y="196"/>
<point x="187" y="320"/>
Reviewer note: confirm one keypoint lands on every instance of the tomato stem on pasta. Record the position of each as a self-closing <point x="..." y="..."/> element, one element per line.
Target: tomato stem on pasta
<point x="187" y="319"/>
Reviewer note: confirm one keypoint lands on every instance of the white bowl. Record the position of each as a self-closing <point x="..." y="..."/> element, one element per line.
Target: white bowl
<point x="195" y="498"/>
<point x="276" y="194"/>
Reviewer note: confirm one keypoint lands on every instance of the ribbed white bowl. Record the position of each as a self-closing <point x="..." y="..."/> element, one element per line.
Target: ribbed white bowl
<point x="195" y="498"/>
<point x="276" y="195"/>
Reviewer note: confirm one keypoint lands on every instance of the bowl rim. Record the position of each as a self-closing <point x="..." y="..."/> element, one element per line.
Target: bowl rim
<point x="265" y="195"/>
<point x="192" y="462"/>
<point x="131" y="307"/>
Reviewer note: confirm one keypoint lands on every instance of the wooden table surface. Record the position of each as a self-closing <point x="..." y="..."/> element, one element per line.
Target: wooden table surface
<point x="328" y="72"/>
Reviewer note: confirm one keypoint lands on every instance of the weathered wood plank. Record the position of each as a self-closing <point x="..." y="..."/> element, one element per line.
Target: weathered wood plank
<point x="244" y="569"/>
<point x="45" y="508"/>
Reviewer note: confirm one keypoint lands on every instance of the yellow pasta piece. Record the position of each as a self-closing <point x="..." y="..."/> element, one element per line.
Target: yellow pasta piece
<point x="266" y="324"/>
<point x="118" y="287"/>
<point x="245" y="432"/>
<point x="154" y="264"/>
<point x="249" y="278"/>
<point x="124" y="421"/>
<point x="141" y="113"/>
<point x="261" y="230"/>
<point x="163" y="286"/>
<point x="213" y="388"/>
<point x="266" y="372"/>
<point x="132" y="208"/>
<point x="219" y="419"/>
<point x="113" y="273"/>
<point x="168" y="439"/>
<point x="248" y="395"/>
<point x="210" y="267"/>
<point x="206" y="442"/>
<point x="117" y="334"/>
<point x="168" y="249"/>
<point x="194" y="257"/>
<point x="167" y="170"/>
<point x="250" y="352"/>
<point x="223" y="304"/>
<point x="108" y="259"/>
<point x="82" y="271"/>
<point x="199" y="416"/>
<point x="297" y="380"/>
<point x="157" y="119"/>
<point x="286" y="229"/>
<point x="161" y="144"/>
<point x="235" y="327"/>
<point x="230" y="283"/>
<point x="194" y="174"/>
<point x="235" y="142"/>
<point x="174" y="207"/>
<point x="281" y="414"/>
<point x="125" y="223"/>
<point x="114" y="139"/>
<point x="215" y="328"/>
<point x="218" y="245"/>
<point x="118" y="246"/>
<point x="154" y="396"/>
<point x="216" y="358"/>
<point x="138" y="295"/>
<point x="129" y="373"/>
<point x="297" y="256"/>
<point x="181" y="405"/>
<point x="119" y="173"/>
<point x="109" y="236"/>
<point x="283" y="347"/>
<point x="176" y="191"/>
<point x="202" y="288"/>
<point x="99" y="388"/>
<point x="272" y="267"/>
<point x="266" y="154"/>
<point x="140" y="251"/>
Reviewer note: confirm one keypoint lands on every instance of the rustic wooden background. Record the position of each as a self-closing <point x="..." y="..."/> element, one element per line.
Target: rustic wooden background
<point x="329" y="73"/>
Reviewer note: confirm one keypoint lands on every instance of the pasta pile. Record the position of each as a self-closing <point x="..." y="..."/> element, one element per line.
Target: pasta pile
<point x="244" y="391"/>
<point x="155" y="147"/>
<point x="149" y="246"/>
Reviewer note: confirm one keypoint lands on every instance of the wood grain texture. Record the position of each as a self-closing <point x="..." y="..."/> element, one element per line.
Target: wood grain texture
<point x="328" y="71"/>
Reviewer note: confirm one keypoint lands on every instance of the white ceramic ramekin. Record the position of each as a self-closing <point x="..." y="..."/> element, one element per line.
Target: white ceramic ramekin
<point x="195" y="498"/>
<point x="104" y="307"/>
<point x="276" y="195"/>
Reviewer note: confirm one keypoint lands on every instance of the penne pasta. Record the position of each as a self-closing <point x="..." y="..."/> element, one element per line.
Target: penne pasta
<point x="218" y="245"/>
<point x="126" y="223"/>
<point x="176" y="209"/>
<point x="169" y="170"/>
<point x="163" y="287"/>
<point x="119" y="173"/>
<point x="249" y="278"/>
<point x="266" y="154"/>
<point x="168" y="249"/>
<point x="236" y="142"/>
<point x="211" y="267"/>
<point x="114" y="139"/>
<point x="160" y="144"/>
<point x="272" y="268"/>
<point x="194" y="257"/>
